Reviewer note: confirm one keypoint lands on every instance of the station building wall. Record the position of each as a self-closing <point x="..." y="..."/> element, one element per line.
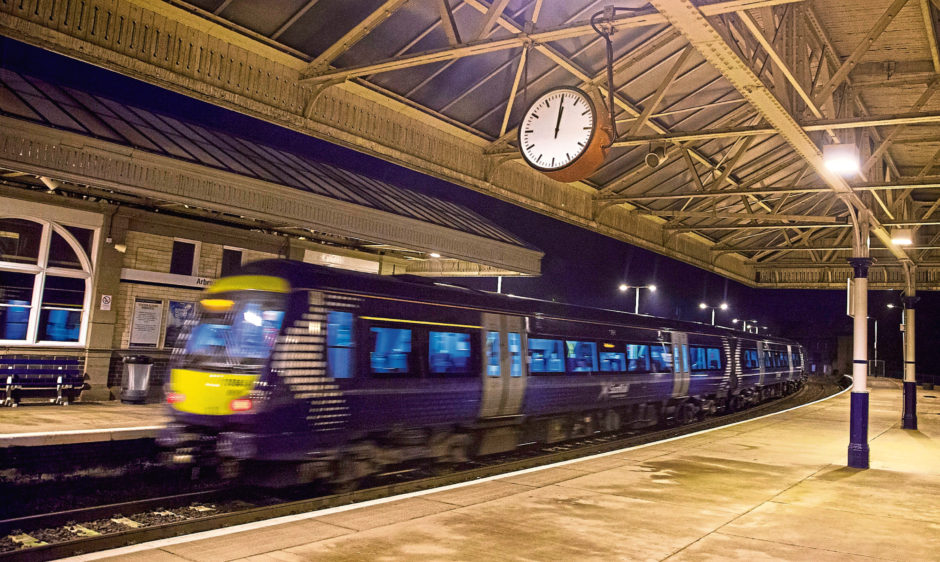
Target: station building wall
<point x="128" y="259"/>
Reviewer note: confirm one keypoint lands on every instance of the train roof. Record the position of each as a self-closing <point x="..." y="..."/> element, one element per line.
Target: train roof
<point x="310" y="276"/>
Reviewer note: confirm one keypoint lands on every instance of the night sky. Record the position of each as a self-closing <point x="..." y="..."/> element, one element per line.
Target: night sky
<point x="579" y="266"/>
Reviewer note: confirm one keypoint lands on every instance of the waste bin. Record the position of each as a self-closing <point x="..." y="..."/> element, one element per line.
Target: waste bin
<point x="136" y="378"/>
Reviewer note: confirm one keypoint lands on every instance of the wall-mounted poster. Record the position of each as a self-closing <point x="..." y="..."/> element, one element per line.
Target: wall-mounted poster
<point x="179" y="313"/>
<point x="145" y="329"/>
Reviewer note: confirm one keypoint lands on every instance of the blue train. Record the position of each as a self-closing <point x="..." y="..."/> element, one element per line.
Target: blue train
<point x="313" y="373"/>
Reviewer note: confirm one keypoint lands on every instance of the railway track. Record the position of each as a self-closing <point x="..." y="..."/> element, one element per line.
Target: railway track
<point x="77" y="531"/>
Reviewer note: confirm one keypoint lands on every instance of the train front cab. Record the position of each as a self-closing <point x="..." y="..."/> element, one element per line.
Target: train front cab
<point x="214" y="379"/>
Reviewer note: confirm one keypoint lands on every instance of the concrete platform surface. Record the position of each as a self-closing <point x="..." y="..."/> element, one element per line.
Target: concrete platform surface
<point x="34" y="424"/>
<point x="772" y="489"/>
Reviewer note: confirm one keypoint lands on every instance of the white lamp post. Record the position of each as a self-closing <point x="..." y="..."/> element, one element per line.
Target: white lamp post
<point x="723" y="306"/>
<point x="624" y="288"/>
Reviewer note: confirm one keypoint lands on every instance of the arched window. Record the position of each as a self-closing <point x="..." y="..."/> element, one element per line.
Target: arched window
<point x="45" y="281"/>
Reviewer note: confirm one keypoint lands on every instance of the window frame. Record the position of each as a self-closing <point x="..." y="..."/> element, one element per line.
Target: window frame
<point x="41" y="269"/>
<point x="197" y="253"/>
<point x="241" y="258"/>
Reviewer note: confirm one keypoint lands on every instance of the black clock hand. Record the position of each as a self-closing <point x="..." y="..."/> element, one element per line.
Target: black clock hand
<point x="561" y="109"/>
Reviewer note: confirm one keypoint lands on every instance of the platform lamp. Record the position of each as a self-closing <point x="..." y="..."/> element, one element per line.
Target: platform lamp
<point x="624" y="288"/>
<point x="902" y="236"/>
<point x="723" y="306"/>
<point x="842" y="158"/>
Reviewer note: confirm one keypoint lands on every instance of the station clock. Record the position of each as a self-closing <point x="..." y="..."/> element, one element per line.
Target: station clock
<point x="563" y="135"/>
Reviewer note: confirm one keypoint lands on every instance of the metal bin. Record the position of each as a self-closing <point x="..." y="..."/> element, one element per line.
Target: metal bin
<point x="135" y="381"/>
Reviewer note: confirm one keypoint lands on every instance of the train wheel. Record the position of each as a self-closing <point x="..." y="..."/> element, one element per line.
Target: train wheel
<point x="685" y="413"/>
<point x="346" y="475"/>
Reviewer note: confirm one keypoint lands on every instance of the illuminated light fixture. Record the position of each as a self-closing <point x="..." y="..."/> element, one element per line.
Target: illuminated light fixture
<point x="434" y="255"/>
<point x="841" y="159"/>
<point x="890" y="305"/>
<point x="734" y="321"/>
<point x="216" y="305"/>
<point x="702" y="305"/>
<point x="724" y="306"/>
<point x="623" y="287"/>
<point x="240" y="405"/>
<point x="652" y="288"/>
<point x="902" y="236"/>
<point x="175" y="397"/>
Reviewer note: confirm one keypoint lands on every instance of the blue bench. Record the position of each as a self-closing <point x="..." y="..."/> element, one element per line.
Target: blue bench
<point x="60" y="378"/>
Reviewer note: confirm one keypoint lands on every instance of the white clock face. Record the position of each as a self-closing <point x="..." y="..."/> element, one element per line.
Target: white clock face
<point x="557" y="128"/>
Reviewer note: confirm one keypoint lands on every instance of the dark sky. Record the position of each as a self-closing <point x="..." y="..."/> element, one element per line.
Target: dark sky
<point x="579" y="266"/>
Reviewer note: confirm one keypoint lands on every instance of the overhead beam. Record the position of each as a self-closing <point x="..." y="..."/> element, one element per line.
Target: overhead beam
<point x="353" y="36"/>
<point x="448" y="24"/>
<point x="764" y="191"/>
<point x="741" y="216"/>
<point x="927" y="12"/>
<point x="917" y="118"/>
<point x="317" y="73"/>
<point x="490" y="18"/>
<point x="848" y="64"/>
<point x="713" y="227"/>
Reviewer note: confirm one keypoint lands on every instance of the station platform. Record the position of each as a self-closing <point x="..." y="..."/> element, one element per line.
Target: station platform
<point x="772" y="488"/>
<point x="36" y="424"/>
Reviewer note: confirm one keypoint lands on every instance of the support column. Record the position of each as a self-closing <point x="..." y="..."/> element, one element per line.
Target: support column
<point x="909" y="420"/>
<point x="858" y="424"/>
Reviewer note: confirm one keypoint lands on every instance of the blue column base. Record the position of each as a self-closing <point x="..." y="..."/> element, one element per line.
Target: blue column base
<point x="909" y="421"/>
<point x="858" y="431"/>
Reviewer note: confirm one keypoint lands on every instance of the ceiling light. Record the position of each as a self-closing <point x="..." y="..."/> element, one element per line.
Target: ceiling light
<point x="902" y="236"/>
<point x="702" y="305"/>
<point x="841" y="159"/>
<point x="434" y="255"/>
<point x="653" y="288"/>
<point x="724" y="306"/>
<point x="623" y="287"/>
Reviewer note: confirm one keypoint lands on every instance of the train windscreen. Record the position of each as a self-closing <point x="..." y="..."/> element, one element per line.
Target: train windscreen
<point x="235" y="331"/>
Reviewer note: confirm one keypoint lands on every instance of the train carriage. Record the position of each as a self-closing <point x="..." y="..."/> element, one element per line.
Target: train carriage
<point x="329" y="374"/>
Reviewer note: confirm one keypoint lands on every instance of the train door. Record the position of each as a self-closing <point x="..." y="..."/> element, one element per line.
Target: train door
<point x="761" y="361"/>
<point x="790" y="362"/>
<point x="680" y="355"/>
<point x="504" y="373"/>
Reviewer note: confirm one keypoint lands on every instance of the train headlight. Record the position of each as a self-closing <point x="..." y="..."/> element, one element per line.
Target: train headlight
<point x="240" y="405"/>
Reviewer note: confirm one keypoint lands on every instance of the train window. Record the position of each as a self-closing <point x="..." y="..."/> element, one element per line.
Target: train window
<point x="449" y="352"/>
<point x="750" y="359"/>
<point x="515" y="354"/>
<point x="796" y="359"/>
<point x="546" y="356"/>
<point x="714" y="358"/>
<point x="638" y="358"/>
<point x="390" y="350"/>
<point x="660" y="359"/>
<point x="339" y="344"/>
<point x="768" y="360"/>
<point x="612" y="361"/>
<point x="492" y="354"/>
<point x="582" y="356"/>
<point x="705" y="358"/>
